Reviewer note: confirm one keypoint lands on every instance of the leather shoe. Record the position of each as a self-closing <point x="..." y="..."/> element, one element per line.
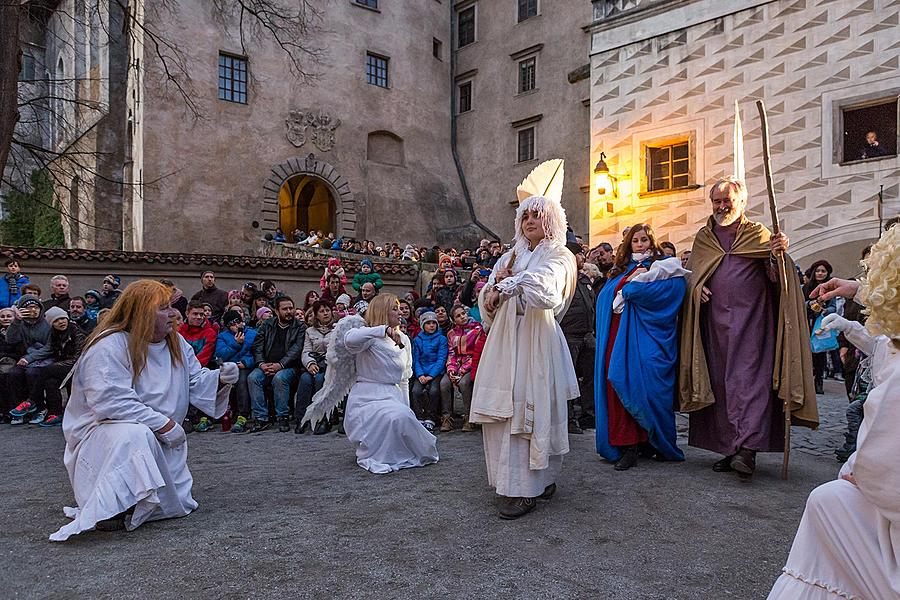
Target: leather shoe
<point x="629" y="459"/>
<point x="744" y="462"/>
<point x="298" y="428"/>
<point x="724" y="465"/>
<point x="322" y="428"/>
<point x="514" y="508"/>
<point x="548" y="492"/>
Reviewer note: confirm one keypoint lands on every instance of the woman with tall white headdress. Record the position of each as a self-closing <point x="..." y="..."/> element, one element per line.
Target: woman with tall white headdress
<point x="522" y="405"/>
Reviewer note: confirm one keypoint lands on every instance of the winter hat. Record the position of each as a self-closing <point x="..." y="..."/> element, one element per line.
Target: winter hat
<point x="343" y="299"/>
<point x="29" y="300"/>
<point x="334" y="262"/>
<point x="427" y="316"/>
<point x="93" y="293"/>
<point x="55" y="313"/>
<point x="262" y="312"/>
<point x="231" y="317"/>
<point x="113" y="280"/>
<point x="368" y="262"/>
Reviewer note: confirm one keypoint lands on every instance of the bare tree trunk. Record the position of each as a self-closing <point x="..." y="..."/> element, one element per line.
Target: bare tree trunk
<point x="10" y="62"/>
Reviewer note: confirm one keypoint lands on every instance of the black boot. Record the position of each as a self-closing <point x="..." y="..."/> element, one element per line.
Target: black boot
<point x="628" y="460"/>
<point x="820" y="388"/>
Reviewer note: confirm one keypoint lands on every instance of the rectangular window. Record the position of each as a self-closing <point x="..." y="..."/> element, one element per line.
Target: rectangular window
<point x="527" y="74"/>
<point x="526" y="144"/>
<point x="377" y="70"/>
<point x="368" y="3"/>
<point x="527" y="9"/>
<point x="465" y="97"/>
<point x="28" y="71"/>
<point x="465" y="26"/>
<point x="668" y="167"/>
<point x="437" y="48"/>
<point x="232" y="78"/>
<point x="870" y="132"/>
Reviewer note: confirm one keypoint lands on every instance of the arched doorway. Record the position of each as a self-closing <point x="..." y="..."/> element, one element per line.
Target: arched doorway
<point x="305" y="202"/>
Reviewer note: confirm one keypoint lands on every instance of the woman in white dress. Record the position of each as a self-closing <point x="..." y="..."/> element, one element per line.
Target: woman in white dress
<point x="375" y="357"/>
<point x="848" y="543"/>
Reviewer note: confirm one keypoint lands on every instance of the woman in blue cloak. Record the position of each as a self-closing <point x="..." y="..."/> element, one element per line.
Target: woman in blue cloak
<point x="637" y="351"/>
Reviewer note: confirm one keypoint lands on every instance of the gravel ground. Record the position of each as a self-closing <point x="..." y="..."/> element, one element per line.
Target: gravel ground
<point x="283" y="515"/>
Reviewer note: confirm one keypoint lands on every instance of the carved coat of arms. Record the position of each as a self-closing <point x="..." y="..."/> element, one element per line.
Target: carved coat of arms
<point x="319" y="127"/>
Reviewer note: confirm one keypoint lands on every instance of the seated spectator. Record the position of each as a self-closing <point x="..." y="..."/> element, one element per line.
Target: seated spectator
<point x="235" y="344"/>
<point x="429" y="365"/>
<point x="212" y="295"/>
<point x="334" y="268"/>
<point x="409" y="253"/>
<point x="11" y="286"/>
<point x="51" y="366"/>
<point x="271" y="292"/>
<point x="31" y="332"/>
<point x="248" y="292"/>
<point x="92" y="304"/>
<point x="31" y="289"/>
<point x="443" y="319"/>
<point x="341" y="307"/>
<point x="461" y="343"/>
<point x="311" y="298"/>
<point x="365" y="275"/>
<point x="411" y="296"/>
<point x="199" y="333"/>
<point x="334" y="289"/>
<point x="79" y="316"/>
<point x="298" y="236"/>
<point x="208" y="311"/>
<point x="263" y="314"/>
<point x="475" y="311"/>
<point x="279" y="235"/>
<point x="179" y="302"/>
<point x="367" y="292"/>
<point x="59" y="293"/>
<point x="234" y="299"/>
<point x="109" y="291"/>
<point x="9" y="356"/>
<point x="448" y="293"/>
<point x="409" y="324"/>
<point x="276" y="354"/>
<point x="315" y="345"/>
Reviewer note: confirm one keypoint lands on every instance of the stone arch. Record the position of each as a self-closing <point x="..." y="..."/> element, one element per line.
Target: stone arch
<point x="386" y="148"/>
<point x="345" y="206"/>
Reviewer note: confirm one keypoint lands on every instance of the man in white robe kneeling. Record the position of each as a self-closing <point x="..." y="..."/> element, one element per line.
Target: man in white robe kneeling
<point x="126" y="452"/>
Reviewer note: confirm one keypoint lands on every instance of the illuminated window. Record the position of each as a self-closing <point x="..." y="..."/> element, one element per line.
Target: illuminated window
<point x="668" y="167"/>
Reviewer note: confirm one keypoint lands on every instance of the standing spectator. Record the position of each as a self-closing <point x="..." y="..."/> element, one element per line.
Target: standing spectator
<point x="276" y="354"/>
<point x="365" y="275"/>
<point x="11" y="287"/>
<point x="685" y="258"/>
<point x="32" y="333"/>
<point x="334" y="289"/>
<point x="31" y="289"/>
<point x="209" y="293"/>
<point x="817" y="274"/>
<point x="9" y="355"/>
<point x="235" y="344"/>
<point x="668" y="249"/>
<point x="92" y="304"/>
<point x="79" y="317"/>
<point x="334" y="268"/>
<point x="461" y="344"/>
<point x="367" y="292"/>
<point x="60" y="354"/>
<point x="315" y="345"/>
<point x="603" y="256"/>
<point x="109" y="291"/>
<point x="179" y="302"/>
<point x="59" y="293"/>
<point x="429" y="365"/>
<point x="578" y="327"/>
<point x="872" y="147"/>
<point x="446" y="295"/>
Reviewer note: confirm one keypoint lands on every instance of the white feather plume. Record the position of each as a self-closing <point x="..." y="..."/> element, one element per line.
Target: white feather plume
<point x="340" y="374"/>
<point x="545" y="180"/>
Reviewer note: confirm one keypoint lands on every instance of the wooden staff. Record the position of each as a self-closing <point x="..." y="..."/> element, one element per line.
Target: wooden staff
<point x="776" y="228"/>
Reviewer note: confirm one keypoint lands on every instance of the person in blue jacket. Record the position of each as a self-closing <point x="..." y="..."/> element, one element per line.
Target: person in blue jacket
<point x="429" y="364"/>
<point x="235" y="344"/>
<point x="11" y="286"/>
<point x="637" y="352"/>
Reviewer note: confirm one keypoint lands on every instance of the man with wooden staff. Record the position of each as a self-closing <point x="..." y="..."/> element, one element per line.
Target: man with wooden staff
<point x="745" y="352"/>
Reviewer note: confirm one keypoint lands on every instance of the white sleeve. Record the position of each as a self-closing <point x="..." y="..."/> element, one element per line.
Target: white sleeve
<point x="407" y="369"/>
<point x="105" y="378"/>
<point x="203" y="385"/>
<point x="859" y="336"/>
<point x="361" y="338"/>
<point x="542" y="287"/>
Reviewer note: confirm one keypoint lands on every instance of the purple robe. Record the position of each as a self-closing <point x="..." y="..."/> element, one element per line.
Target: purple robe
<point x="738" y="328"/>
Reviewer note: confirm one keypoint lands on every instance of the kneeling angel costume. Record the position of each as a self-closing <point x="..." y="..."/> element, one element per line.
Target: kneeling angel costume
<point x="378" y="420"/>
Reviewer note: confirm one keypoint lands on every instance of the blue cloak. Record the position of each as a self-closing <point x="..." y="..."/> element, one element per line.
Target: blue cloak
<point x="642" y="368"/>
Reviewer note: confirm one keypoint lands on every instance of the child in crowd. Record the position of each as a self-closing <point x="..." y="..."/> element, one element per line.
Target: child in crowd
<point x="443" y="319"/>
<point x="262" y="315"/>
<point x="9" y="355"/>
<point x="366" y="275"/>
<point x="334" y="268"/>
<point x="92" y="304"/>
<point x="51" y="366"/>
<point x="311" y="298"/>
<point x="235" y="344"/>
<point x="11" y="286"/>
<point x="341" y="307"/>
<point x="461" y="343"/>
<point x="408" y="323"/>
<point x="31" y="289"/>
<point x="429" y="365"/>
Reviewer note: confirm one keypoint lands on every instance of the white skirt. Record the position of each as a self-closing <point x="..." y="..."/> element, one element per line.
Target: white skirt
<point x="385" y="431"/>
<point x="507" y="459"/>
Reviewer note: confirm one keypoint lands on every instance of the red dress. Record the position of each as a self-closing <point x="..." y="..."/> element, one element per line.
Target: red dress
<point x="623" y="429"/>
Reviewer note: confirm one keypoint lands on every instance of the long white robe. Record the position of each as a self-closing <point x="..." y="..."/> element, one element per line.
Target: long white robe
<point x="848" y="542"/>
<point x="526" y="376"/>
<point x="378" y="420"/>
<point x="113" y="458"/>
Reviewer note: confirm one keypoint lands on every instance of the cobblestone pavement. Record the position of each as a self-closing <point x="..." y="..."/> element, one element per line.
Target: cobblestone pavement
<point x="287" y="516"/>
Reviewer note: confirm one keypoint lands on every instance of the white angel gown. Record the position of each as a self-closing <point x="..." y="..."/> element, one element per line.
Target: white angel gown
<point x="378" y="420"/>
<point x="113" y="458"/>
<point x="848" y="542"/>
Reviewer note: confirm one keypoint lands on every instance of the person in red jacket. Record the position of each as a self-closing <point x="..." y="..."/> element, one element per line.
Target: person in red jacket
<point x="199" y="333"/>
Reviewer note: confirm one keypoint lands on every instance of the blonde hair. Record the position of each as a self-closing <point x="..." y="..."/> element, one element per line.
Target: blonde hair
<point x="380" y="308"/>
<point x="134" y="313"/>
<point x="880" y="290"/>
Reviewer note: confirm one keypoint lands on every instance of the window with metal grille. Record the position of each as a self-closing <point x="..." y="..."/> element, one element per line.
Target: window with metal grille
<point x="527" y="9"/>
<point x="527" y="74"/>
<point x="232" y="78"/>
<point x="465" y="27"/>
<point x="368" y="3"/>
<point x="377" y="70"/>
<point x="465" y="97"/>
<point x="526" y="144"/>
<point x="668" y="167"/>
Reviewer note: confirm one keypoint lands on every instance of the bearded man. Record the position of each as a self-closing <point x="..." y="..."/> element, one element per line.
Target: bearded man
<point x="745" y="350"/>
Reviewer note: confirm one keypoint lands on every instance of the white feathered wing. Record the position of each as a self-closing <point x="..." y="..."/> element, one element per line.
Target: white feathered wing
<point x="340" y="374"/>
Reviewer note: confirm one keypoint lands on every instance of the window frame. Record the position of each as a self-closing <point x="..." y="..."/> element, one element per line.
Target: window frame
<point x="372" y="77"/>
<point x="459" y="96"/>
<point x="459" y="13"/>
<point x="532" y="127"/>
<point x="670" y="148"/>
<point x="437" y="49"/>
<point x="237" y="97"/>
<point x="844" y="107"/>
<point x="520" y="4"/>
<point x="521" y="74"/>
<point x="675" y="136"/>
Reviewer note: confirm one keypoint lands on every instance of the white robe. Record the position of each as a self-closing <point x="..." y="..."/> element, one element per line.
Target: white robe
<point x="113" y="458"/>
<point x="378" y="420"/>
<point x="523" y="412"/>
<point x="848" y="542"/>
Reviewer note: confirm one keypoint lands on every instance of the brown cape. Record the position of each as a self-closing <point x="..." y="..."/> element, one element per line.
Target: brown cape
<point x="793" y="374"/>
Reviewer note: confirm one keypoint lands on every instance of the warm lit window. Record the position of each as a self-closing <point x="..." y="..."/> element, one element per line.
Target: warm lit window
<point x="526" y="144"/>
<point x="232" y="78"/>
<point x="527" y="9"/>
<point x="668" y="167"/>
<point x="465" y="97"/>
<point x="377" y="70"/>
<point x="527" y="74"/>
<point x="465" y="26"/>
<point x="870" y="131"/>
